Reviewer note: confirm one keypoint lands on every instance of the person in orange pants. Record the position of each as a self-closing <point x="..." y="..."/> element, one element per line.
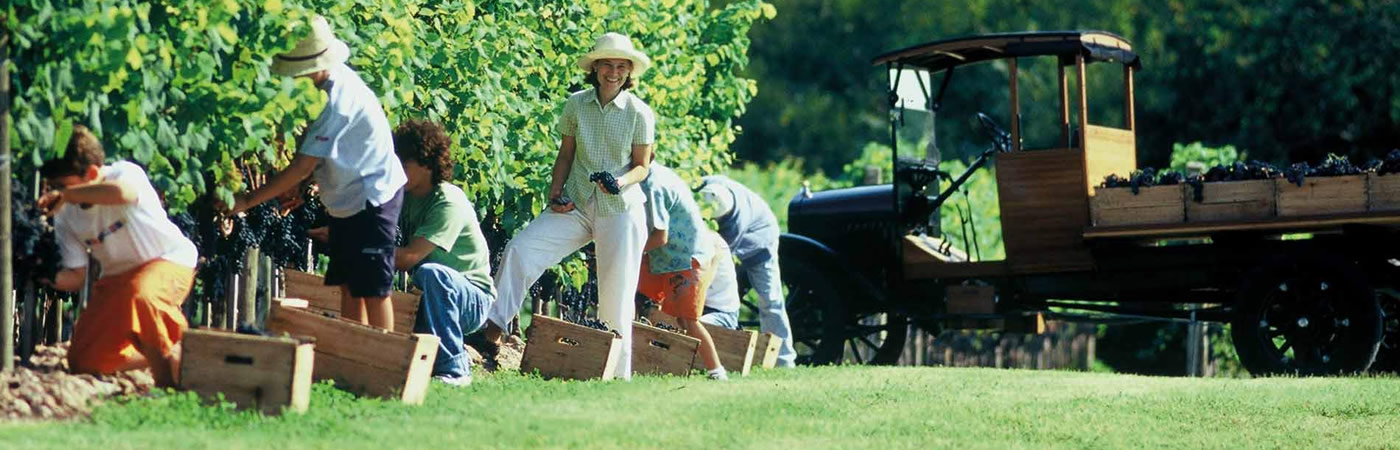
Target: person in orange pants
<point x="133" y="318"/>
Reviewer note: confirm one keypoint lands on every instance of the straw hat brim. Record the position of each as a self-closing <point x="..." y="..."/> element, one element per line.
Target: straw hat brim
<point x="336" y="53"/>
<point x="640" y="61"/>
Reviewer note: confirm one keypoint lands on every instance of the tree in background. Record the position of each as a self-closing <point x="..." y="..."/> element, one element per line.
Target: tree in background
<point x="1286" y="81"/>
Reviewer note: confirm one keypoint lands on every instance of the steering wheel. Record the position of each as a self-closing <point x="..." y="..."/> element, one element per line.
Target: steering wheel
<point x="1000" y="138"/>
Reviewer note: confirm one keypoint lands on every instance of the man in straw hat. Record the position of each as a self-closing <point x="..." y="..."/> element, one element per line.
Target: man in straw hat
<point x="607" y="135"/>
<point x="350" y="149"/>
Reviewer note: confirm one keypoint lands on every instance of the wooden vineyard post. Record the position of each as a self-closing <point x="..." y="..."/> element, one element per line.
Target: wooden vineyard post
<point x="7" y="288"/>
<point x="247" y="314"/>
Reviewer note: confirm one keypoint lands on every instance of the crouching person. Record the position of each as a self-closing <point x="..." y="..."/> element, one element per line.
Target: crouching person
<point x="445" y="252"/>
<point x="722" y="296"/>
<point x="133" y="318"/>
<point x="676" y="267"/>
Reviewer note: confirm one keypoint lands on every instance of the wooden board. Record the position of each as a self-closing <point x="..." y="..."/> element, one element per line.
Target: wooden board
<point x="656" y="351"/>
<point x="365" y="360"/>
<point x="1274" y="225"/>
<point x="313" y="289"/>
<point x="269" y="374"/>
<point x="767" y="349"/>
<point x="1109" y="151"/>
<point x="735" y="348"/>
<point x="1231" y="200"/>
<point x="558" y="349"/>
<point x="1155" y="204"/>
<point x="1044" y="210"/>
<point x="1382" y="192"/>
<point x="970" y="299"/>
<point x="1321" y="196"/>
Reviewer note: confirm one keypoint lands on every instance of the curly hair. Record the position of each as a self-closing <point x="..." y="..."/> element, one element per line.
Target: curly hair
<point x="426" y="143"/>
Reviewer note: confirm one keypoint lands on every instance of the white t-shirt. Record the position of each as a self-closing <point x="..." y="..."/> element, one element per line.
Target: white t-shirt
<point x="122" y="237"/>
<point x="356" y="146"/>
<point x="723" y="294"/>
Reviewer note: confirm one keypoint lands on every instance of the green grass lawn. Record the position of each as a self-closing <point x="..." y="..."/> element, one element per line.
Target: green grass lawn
<point x="826" y="407"/>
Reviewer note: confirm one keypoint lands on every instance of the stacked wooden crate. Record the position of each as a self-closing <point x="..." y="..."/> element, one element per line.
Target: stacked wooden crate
<point x="1225" y="201"/>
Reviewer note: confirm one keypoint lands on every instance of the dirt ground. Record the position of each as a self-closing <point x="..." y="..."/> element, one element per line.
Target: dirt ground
<point x="45" y="390"/>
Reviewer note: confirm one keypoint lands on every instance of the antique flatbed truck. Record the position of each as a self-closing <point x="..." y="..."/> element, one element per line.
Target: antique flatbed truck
<point x="1303" y="294"/>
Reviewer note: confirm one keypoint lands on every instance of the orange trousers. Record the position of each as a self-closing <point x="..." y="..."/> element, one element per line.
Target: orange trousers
<point x="136" y="310"/>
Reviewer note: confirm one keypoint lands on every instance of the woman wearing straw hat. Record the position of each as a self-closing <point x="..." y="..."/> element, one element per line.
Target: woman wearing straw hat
<point x="607" y="136"/>
<point x="350" y="149"/>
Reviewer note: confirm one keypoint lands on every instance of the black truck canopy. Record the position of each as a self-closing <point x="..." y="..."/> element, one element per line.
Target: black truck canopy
<point x="935" y="56"/>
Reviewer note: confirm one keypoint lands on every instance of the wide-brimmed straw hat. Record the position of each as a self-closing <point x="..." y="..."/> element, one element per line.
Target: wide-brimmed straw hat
<point x="318" y="51"/>
<point x="615" y="46"/>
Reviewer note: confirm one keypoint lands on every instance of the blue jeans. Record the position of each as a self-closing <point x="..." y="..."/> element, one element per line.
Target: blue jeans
<point x="772" y="311"/>
<point x="725" y="320"/>
<point x="451" y="308"/>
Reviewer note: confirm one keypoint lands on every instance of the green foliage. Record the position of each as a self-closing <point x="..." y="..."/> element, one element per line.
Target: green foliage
<point x="183" y="88"/>
<point x="1289" y="80"/>
<point x="1207" y="156"/>
<point x="778" y="182"/>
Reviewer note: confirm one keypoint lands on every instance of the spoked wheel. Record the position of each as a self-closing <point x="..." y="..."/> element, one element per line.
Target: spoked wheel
<point x="1388" y="356"/>
<point x="1306" y="315"/>
<point x="823" y="329"/>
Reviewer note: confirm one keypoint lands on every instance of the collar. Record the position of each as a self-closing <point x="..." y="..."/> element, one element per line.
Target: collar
<point x="617" y="101"/>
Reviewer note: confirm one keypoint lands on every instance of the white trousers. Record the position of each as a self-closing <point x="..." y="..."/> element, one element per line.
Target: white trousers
<point x="619" y="240"/>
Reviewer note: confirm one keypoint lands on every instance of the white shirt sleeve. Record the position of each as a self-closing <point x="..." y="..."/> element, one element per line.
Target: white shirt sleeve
<point x="72" y="251"/>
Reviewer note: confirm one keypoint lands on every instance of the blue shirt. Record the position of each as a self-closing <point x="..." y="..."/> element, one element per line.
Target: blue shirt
<point x="751" y="229"/>
<point x="356" y="146"/>
<point x="671" y="207"/>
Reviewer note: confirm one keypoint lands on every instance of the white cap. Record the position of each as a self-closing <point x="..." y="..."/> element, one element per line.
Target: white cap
<point x="718" y="197"/>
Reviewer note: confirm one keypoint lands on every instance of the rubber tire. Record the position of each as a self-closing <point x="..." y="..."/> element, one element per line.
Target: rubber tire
<point x="1357" y="347"/>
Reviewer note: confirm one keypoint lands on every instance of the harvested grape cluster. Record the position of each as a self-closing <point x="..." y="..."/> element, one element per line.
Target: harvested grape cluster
<point x="35" y="253"/>
<point x="608" y="180"/>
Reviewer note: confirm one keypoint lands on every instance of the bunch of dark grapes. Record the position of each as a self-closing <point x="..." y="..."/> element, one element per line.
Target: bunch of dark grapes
<point x="35" y="253"/>
<point x="1114" y="181"/>
<point x="1333" y="166"/>
<point x="1239" y="171"/>
<point x="597" y="325"/>
<point x="1170" y="178"/>
<point x="1389" y="165"/>
<point x="608" y="180"/>
<point x="667" y="327"/>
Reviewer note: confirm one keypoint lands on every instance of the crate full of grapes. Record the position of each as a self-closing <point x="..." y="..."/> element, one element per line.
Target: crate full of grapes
<point x="558" y="349"/>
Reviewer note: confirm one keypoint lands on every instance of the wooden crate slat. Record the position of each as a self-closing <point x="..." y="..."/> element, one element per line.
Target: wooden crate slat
<point x="559" y="349"/>
<point x="312" y="288"/>
<point x="768" y="346"/>
<point x="267" y="373"/>
<point x="735" y="348"/>
<point x="1231" y="200"/>
<point x="1382" y="192"/>
<point x="1154" y="204"/>
<point x="1321" y="196"/>
<point x="371" y="361"/>
<point x="657" y="351"/>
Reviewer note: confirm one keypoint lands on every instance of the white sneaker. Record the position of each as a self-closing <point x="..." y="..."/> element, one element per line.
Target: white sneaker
<point x="719" y="375"/>
<point x="454" y="381"/>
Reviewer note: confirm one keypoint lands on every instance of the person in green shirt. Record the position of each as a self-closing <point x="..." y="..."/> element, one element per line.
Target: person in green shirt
<point x="445" y="252"/>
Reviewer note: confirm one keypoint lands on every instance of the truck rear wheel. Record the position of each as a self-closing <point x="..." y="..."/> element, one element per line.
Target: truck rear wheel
<point x="1306" y="314"/>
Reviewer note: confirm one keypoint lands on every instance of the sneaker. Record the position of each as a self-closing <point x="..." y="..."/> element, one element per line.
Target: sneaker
<point x="719" y="375"/>
<point x="454" y="381"/>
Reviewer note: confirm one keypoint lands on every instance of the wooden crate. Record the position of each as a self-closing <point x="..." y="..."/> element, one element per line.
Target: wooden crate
<point x="1382" y="192"/>
<point x="766" y="350"/>
<point x="1321" y="195"/>
<point x="656" y="351"/>
<point x="1151" y="205"/>
<point x="269" y="374"/>
<point x="558" y="349"/>
<point x="363" y="359"/>
<point x="312" y="288"/>
<point x="971" y="300"/>
<point x="735" y="348"/>
<point x="1231" y="200"/>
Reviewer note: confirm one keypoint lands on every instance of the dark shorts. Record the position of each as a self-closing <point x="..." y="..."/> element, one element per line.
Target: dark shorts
<point x="362" y="249"/>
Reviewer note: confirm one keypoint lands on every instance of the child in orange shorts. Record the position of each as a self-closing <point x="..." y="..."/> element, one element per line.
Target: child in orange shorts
<point x="133" y="318"/>
<point x="672" y="272"/>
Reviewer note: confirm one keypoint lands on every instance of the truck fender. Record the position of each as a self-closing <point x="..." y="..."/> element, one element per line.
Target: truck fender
<point x="795" y="247"/>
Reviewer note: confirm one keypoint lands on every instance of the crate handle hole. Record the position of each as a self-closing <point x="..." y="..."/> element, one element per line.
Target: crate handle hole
<point x="568" y="342"/>
<point x="238" y="359"/>
<point x="659" y="344"/>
